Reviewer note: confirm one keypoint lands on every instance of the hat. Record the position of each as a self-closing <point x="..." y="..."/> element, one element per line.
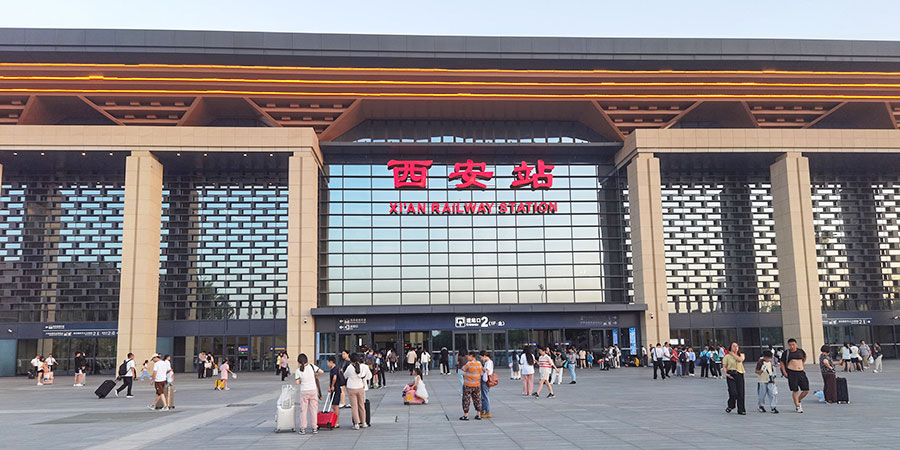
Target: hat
<point x="155" y="355"/>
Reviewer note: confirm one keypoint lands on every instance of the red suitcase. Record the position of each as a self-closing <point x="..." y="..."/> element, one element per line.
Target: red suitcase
<point x="327" y="418"/>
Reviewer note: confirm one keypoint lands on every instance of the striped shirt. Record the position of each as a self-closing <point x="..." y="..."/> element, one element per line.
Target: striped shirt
<point x="473" y="371"/>
<point x="544" y="362"/>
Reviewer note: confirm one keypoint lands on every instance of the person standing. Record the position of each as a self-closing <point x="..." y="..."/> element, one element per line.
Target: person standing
<point x="335" y="382"/>
<point x="526" y="363"/>
<point x="357" y="376"/>
<point x="854" y="356"/>
<point x="515" y="369"/>
<point x="461" y="361"/>
<point x="79" y="367"/>
<point x="307" y="377"/>
<point x="345" y="395"/>
<point x="877" y="356"/>
<point x="545" y="366"/>
<point x="158" y="379"/>
<point x="826" y="365"/>
<point x="49" y="368"/>
<point x="792" y="361"/>
<point x="558" y="362"/>
<point x="472" y="386"/>
<point x="692" y="360"/>
<point x="201" y="364"/>
<point x="571" y="361"/>
<point x="864" y="352"/>
<point x="703" y="361"/>
<point x="411" y="358"/>
<point x="488" y="366"/>
<point x="845" y="358"/>
<point x="127" y="377"/>
<point x="716" y="353"/>
<point x="765" y="383"/>
<point x="445" y="361"/>
<point x="285" y="366"/>
<point x="733" y="363"/>
<point x="36" y="369"/>
<point x="668" y="364"/>
<point x="426" y="362"/>
<point x="658" y="355"/>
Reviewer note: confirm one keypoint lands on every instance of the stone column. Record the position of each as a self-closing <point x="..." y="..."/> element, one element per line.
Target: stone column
<point x="139" y="288"/>
<point x="303" y="252"/>
<point x="647" y="249"/>
<point x="795" y="247"/>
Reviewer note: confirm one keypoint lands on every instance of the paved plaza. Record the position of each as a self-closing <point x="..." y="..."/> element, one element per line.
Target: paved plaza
<point x="622" y="408"/>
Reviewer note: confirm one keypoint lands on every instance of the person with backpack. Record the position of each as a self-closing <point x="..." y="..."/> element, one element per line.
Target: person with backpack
<point x="716" y="367"/>
<point x="526" y="362"/>
<point x="765" y="383"/>
<point x="682" y="358"/>
<point x="703" y="362"/>
<point x="126" y="374"/>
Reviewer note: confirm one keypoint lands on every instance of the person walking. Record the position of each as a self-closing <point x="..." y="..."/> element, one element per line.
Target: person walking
<point x="658" y="355"/>
<point x="445" y="361"/>
<point x="826" y="366"/>
<point x="864" y="352"/>
<point x="558" y="363"/>
<point x="80" y="368"/>
<point x="488" y="369"/>
<point x="765" y="383"/>
<point x="545" y="366"/>
<point x="335" y="381"/>
<point x="224" y="370"/>
<point x="472" y="386"/>
<point x="145" y="371"/>
<point x="285" y="366"/>
<point x="127" y="377"/>
<point x="792" y="361"/>
<point x="877" y="356"/>
<point x="158" y="377"/>
<point x="307" y="377"/>
<point x="733" y="364"/>
<point x="526" y="363"/>
<point x="357" y="376"/>
<point x="571" y="362"/>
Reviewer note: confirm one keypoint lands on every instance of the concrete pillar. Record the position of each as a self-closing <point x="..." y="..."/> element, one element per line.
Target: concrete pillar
<point x="795" y="247"/>
<point x="139" y="286"/>
<point x="647" y="249"/>
<point x="303" y="252"/>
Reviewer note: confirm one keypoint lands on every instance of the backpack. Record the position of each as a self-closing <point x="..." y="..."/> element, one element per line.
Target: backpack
<point x="123" y="369"/>
<point x="683" y="357"/>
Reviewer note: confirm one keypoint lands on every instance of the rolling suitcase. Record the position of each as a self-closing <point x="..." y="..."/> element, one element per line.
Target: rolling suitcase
<point x="284" y="410"/>
<point x="843" y="394"/>
<point x="368" y="413"/>
<point x="327" y="418"/>
<point x="105" y="388"/>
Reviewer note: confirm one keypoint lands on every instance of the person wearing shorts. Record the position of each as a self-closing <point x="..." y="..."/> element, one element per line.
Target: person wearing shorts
<point x="793" y="360"/>
<point x="335" y="383"/>
<point x="158" y="377"/>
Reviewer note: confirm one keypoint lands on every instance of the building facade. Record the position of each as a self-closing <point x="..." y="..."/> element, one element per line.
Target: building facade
<point x="247" y="193"/>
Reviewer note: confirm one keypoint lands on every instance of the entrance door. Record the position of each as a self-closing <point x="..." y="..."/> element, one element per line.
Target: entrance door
<point x="385" y="341"/>
<point x="353" y="342"/>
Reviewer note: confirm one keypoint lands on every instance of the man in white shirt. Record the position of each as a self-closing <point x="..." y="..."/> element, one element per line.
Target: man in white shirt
<point x="127" y="377"/>
<point x="158" y="376"/>
<point x="488" y="365"/>
<point x="667" y="359"/>
<point x="658" y="361"/>
<point x="411" y="360"/>
<point x="36" y="367"/>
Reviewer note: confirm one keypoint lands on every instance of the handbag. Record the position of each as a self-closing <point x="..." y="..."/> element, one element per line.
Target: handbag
<point x="493" y="380"/>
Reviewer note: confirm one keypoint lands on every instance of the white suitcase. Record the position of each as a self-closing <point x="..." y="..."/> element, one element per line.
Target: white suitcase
<point x="284" y="410"/>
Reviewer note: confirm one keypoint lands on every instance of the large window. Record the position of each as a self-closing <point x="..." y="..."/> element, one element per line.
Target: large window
<point x="224" y="247"/>
<point x="372" y="257"/>
<point x="61" y="244"/>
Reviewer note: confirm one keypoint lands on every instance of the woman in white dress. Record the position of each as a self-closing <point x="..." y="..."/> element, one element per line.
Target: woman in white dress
<point x="419" y="386"/>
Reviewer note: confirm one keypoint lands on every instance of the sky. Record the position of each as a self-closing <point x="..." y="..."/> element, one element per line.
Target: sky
<point x="822" y="19"/>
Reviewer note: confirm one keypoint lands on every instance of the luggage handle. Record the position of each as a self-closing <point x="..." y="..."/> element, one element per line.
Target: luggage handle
<point x="328" y="399"/>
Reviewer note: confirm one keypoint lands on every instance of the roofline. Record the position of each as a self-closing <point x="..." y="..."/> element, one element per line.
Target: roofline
<point x="80" y="44"/>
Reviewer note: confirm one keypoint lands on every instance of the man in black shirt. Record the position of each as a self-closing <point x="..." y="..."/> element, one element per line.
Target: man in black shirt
<point x="80" y="365"/>
<point x="792" y="361"/>
<point x="335" y="383"/>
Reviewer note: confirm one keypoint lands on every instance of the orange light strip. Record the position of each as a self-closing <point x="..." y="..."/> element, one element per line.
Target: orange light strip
<point x="447" y="83"/>
<point x="439" y="95"/>
<point x="401" y="69"/>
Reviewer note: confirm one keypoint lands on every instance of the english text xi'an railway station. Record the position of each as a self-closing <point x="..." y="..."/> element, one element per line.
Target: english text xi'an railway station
<point x="247" y="193"/>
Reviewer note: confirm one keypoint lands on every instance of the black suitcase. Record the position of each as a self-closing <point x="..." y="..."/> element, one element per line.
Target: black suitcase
<point x="843" y="394"/>
<point x="368" y="413"/>
<point x="105" y="388"/>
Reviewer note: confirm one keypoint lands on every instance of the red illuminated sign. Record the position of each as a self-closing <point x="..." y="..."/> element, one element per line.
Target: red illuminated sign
<point x="468" y="174"/>
<point x="414" y="174"/>
<point x="410" y="174"/>
<point x="474" y="208"/>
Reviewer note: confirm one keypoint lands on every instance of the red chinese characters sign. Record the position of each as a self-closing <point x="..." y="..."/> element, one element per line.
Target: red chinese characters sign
<point x="467" y="175"/>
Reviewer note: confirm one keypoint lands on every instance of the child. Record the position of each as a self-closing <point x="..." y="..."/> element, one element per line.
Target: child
<point x="335" y="382"/>
<point x="224" y="370"/>
<point x="765" y="382"/>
